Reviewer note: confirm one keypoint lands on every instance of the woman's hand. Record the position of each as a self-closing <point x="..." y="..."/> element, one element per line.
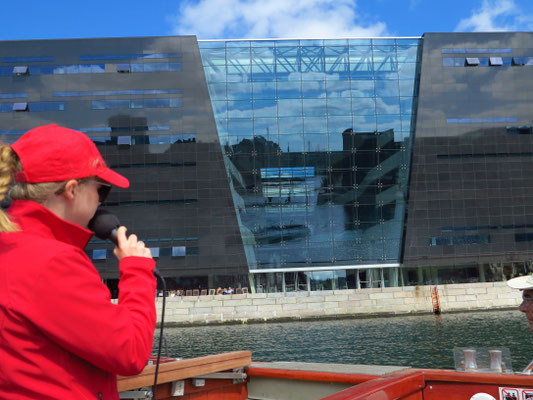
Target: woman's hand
<point x="130" y="246"/>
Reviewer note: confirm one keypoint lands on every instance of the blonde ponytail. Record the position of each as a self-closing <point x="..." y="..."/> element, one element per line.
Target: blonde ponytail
<point x="9" y="163"/>
<point x="38" y="192"/>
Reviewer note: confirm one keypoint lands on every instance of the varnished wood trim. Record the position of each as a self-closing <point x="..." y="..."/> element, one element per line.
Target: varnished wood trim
<point x="183" y="369"/>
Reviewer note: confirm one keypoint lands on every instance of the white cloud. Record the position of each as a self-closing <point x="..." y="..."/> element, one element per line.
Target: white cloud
<point x="492" y="16"/>
<point x="226" y="19"/>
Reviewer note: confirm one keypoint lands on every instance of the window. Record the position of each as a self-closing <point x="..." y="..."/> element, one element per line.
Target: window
<point x="12" y="95"/>
<point x="519" y="130"/>
<point x="124" y="140"/>
<point x="26" y="59"/>
<point x="20" y="107"/>
<point x="88" y="57"/>
<point x="12" y="132"/>
<point x="67" y="69"/>
<point x="523" y="237"/>
<point x="485" y="61"/>
<point x="20" y="70"/>
<point x="99" y="254"/>
<point x="47" y="106"/>
<point x="462" y="51"/>
<point x="452" y="51"/>
<point x="287" y="173"/>
<point x="480" y="120"/>
<point x="99" y="139"/>
<point x="484" y="227"/>
<point x="155" y="251"/>
<point x="178" y="251"/>
<point x="123" y="68"/>
<point x="110" y="104"/>
<point x="136" y="103"/>
<point x="495" y="61"/>
<point x="151" y="67"/>
<point x="459" y="240"/>
<point x="116" y="92"/>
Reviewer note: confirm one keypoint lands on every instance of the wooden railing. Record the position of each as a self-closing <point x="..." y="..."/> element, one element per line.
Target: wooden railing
<point x="313" y="376"/>
<point x="183" y="369"/>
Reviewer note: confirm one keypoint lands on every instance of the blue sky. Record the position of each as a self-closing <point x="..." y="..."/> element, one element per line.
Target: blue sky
<point x="227" y="19"/>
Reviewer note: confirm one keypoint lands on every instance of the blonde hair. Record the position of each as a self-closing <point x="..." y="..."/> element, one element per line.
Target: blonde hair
<point x="38" y="192"/>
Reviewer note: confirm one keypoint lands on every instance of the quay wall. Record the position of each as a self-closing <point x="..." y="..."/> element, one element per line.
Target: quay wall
<point x="353" y="303"/>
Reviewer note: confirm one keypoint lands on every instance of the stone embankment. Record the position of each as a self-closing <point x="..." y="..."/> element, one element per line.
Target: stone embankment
<point x="354" y="303"/>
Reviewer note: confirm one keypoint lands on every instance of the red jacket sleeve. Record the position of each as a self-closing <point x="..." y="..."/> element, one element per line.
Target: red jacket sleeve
<point x="73" y="308"/>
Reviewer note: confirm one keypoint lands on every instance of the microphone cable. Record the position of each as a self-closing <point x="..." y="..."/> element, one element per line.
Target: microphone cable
<point x="160" y="345"/>
<point x="104" y="224"/>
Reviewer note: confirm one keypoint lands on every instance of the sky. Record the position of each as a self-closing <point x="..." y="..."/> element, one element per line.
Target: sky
<point x="258" y="19"/>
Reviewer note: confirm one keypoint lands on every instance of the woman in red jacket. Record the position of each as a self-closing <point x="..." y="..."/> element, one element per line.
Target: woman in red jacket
<point x="60" y="335"/>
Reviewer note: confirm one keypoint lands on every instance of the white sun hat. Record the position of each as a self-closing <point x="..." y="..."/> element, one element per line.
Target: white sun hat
<point x="521" y="282"/>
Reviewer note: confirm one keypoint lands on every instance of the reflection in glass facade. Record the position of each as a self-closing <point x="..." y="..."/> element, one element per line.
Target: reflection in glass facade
<point x="316" y="136"/>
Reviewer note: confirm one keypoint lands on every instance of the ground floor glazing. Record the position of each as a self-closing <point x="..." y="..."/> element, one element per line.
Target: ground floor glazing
<point x="339" y="279"/>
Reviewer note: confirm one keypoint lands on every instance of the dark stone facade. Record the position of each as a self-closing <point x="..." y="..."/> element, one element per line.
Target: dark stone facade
<point x="154" y="125"/>
<point x="471" y="180"/>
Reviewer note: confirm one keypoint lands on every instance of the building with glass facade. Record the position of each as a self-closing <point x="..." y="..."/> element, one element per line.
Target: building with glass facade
<point x="283" y="165"/>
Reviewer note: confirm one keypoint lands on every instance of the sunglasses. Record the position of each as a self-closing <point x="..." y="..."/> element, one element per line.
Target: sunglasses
<point x="528" y="298"/>
<point x="103" y="188"/>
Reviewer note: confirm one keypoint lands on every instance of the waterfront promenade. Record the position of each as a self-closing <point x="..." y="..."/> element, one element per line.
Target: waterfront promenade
<point x="352" y="303"/>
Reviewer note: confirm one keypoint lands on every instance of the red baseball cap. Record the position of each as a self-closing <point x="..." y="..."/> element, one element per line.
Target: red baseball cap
<point x="51" y="153"/>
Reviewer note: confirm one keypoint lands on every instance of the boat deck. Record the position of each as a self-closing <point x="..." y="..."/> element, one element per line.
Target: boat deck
<point x="233" y="376"/>
<point x="349" y="369"/>
<point x="307" y="381"/>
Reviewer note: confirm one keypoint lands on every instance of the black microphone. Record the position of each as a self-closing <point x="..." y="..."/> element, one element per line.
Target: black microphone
<point x="105" y="225"/>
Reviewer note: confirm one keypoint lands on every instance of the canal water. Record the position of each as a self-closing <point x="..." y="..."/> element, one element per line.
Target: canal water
<point x="422" y="341"/>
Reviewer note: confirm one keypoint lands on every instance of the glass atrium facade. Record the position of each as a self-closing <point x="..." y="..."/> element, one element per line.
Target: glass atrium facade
<point x="316" y="136"/>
